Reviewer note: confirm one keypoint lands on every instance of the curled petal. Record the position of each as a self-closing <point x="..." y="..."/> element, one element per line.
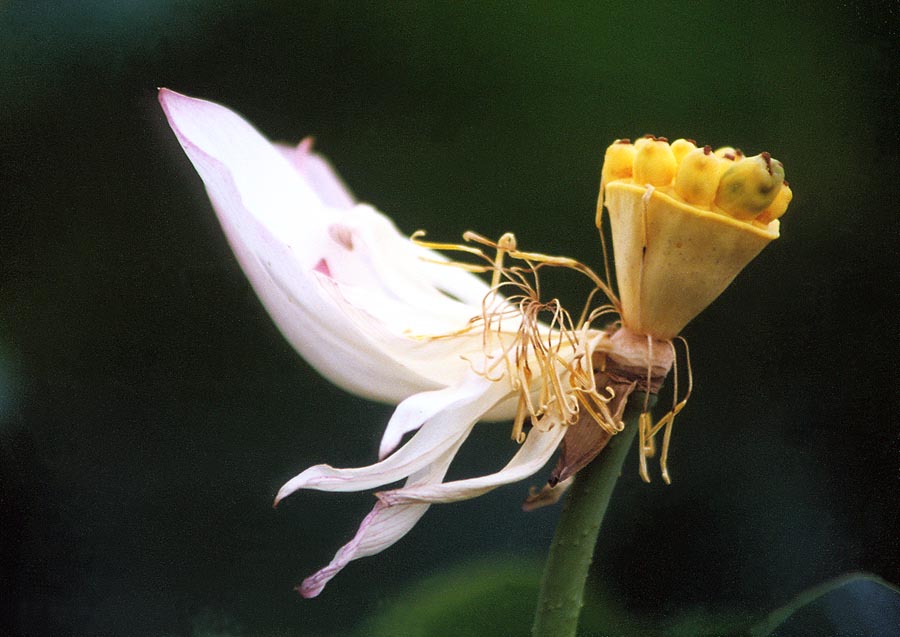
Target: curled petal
<point x="381" y="528"/>
<point x="288" y="223"/>
<point x="446" y="417"/>
<point x="319" y="174"/>
<point x="534" y="454"/>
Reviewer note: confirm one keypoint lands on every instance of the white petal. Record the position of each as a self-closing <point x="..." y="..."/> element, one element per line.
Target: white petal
<point x="381" y="528"/>
<point x="534" y="454"/>
<point x="285" y="237"/>
<point x="455" y="281"/>
<point x="319" y="174"/>
<point x="223" y="146"/>
<point x="446" y="417"/>
<point x="385" y="273"/>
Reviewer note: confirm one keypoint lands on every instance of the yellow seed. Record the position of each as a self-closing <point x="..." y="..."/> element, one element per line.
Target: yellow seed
<point x="654" y="164"/>
<point x="698" y="176"/>
<point x="646" y="139"/>
<point x="779" y="206"/>
<point x="617" y="162"/>
<point x="749" y="186"/>
<point x="729" y="152"/>
<point x="681" y="147"/>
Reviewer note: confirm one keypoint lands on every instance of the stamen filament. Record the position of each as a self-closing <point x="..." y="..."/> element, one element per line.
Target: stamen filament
<point x="556" y="356"/>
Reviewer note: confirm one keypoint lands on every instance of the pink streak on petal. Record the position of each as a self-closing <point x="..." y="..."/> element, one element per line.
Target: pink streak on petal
<point x="342" y="234"/>
<point x="304" y="149"/>
<point x="322" y="268"/>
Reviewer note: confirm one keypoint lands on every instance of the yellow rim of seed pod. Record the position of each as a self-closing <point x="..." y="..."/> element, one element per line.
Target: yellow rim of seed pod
<point x="673" y="259"/>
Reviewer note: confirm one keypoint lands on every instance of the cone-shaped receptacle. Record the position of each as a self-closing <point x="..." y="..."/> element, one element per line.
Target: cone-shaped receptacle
<point x="673" y="259"/>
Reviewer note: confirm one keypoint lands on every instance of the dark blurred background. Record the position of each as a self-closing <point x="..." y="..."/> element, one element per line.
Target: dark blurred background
<point x="149" y="409"/>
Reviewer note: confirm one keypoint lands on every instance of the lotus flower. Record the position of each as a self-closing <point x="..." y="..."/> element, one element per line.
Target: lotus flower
<point x="389" y="319"/>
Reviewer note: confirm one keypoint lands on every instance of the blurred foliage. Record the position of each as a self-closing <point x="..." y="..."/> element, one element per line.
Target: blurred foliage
<point x="855" y="604"/>
<point x="496" y="597"/>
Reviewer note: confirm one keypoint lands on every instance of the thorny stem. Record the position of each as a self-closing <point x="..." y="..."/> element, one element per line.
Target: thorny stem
<point x="562" y="585"/>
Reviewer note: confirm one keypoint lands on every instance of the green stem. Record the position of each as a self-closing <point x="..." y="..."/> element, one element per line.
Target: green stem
<point x="562" y="585"/>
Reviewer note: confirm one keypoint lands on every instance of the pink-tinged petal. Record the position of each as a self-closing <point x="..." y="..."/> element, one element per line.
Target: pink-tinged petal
<point x="294" y="249"/>
<point x="319" y="174"/>
<point x="534" y="454"/>
<point x="445" y="418"/>
<point x="381" y="528"/>
<point x="266" y="182"/>
<point x="385" y="272"/>
<point x="279" y="231"/>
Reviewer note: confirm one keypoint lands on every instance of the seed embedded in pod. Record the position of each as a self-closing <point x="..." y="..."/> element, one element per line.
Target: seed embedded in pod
<point x="643" y="141"/>
<point x="681" y="147"/>
<point x="654" y="163"/>
<point x="698" y="176"/>
<point x="730" y="152"/>
<point x="617" y="162"/>
<point x="749" y="186"/>
<point x="778" y="206"/>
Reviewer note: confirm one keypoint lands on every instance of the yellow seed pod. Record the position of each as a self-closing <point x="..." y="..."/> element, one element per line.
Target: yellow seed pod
<point x="697" y="179"/>
<point x="749" y="186"/>
<point x="677" y="248"/>
<point x="730" y="153"/>
<point x="681" y="147"/>
<point x="617" y="162"/>
<point x="779" y="206"/>
<point x="654" y="163"/>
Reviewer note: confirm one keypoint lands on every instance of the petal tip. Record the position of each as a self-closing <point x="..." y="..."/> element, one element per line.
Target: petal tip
<point x="283" y="492"/>
<point x="308" y="591"/>
<point x="386" y="449"/>
<point x="166" y="95"/>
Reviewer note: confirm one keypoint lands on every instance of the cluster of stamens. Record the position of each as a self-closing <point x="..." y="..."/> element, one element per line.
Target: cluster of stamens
<point x="724" y="181"/>
<point x="548" y="357"/>
<point x="545" y="353"/>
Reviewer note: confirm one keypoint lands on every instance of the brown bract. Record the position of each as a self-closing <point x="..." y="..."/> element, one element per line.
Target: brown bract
<point x="636" y="363"/>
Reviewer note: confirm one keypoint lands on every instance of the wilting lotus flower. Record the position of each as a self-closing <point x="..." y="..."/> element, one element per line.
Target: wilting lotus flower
<point x="387" y="318"/>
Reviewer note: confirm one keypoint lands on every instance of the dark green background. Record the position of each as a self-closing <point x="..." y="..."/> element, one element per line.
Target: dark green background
<point x="149" y="409"/>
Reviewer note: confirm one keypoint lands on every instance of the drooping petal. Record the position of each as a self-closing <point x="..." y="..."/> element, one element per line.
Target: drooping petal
<point x="319" y="175"/>
<point x="445" y="418"/>
<point x="534" y="454"/>
<point x="382" y="527"/>
<point x="287" y="240"/>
